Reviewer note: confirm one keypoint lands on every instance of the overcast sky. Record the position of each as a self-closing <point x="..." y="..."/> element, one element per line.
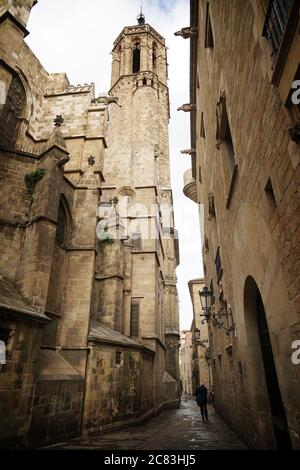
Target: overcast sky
<point x="76" y="37"/>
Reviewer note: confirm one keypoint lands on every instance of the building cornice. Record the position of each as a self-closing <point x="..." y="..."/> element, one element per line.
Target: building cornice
<point x="139" y="29"/>
<point x="8" y="16"/>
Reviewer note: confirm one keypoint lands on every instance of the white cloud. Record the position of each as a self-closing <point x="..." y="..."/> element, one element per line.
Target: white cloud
<point x="76" y="37"/>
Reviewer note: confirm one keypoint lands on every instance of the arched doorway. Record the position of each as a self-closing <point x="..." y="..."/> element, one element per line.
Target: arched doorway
<point x="259" y="340"/>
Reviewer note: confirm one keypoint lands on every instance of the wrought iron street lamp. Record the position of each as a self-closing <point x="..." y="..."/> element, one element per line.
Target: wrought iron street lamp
<point x="201" y="342"/>
<point x="209" y="314"/>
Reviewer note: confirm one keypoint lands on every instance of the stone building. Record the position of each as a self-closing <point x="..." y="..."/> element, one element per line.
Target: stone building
<point x="186" y="362"/>
<point x="90" y="324"/>
<point x="201" y="349"/>
<point x="244" y="111"/>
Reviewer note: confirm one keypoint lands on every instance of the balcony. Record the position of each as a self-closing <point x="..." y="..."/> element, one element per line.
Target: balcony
<point x="190" y="187"/>
<point x="279" y="28"/>
<point x="275" y="23"/>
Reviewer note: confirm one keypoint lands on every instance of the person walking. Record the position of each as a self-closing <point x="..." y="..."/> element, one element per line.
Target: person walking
<point x="201" y="399"/>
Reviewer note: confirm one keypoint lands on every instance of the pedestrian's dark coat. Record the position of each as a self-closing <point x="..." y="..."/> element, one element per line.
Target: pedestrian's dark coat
<point x="201" y="394"/>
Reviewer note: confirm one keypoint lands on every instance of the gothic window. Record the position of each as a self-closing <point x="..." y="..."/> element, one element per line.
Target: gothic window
<point x="154" y="57"/>
<point x="61" y="225"/>
<point x="118" y="61"/>
<point x="136" y="241"/>
<point x="10" y="117"/>
<point x="135" y="319"/>
<point x="136" y="58"/>
<point x="144" y="81"/>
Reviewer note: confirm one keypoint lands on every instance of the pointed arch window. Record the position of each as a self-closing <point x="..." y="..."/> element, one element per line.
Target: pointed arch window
<point x="136" y="58"/>
<point x="61" y="230"/>
<point x="11" y="115"/>
<point x="154" y="57"/>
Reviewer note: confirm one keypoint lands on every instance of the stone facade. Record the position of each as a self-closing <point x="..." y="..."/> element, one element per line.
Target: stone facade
<point x="186" y="362"/>
<point x="67" y="298"/>
<point x="202" y="358"/>
<point x="245" y="166"/>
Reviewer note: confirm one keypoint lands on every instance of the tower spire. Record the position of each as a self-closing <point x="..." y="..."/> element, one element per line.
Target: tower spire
<point x="141" y="17"/>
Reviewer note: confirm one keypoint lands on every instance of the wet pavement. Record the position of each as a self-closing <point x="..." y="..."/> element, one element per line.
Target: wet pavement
<point x="181" y="429"/>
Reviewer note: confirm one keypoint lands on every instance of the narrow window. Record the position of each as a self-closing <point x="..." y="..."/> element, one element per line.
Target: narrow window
<point x="135" y="319"/>
<point x="144" y="81"/>
<point x="136" y="241"/>
<point x="11" y="115"/>
<point x="211" y="205"/>
<point x="270" y="194"/>
<point x="154" y="57"/>
<point x="212" y="292"/>
<point x="229" y="145"/>
<point x="202" y="128"/>
<point x="209" y="40"/>
<point x="61" y="225"/>
<point x="200" y="175"/>
<point x="224" y="136"/>
<point x="118" y="358"/>
<point x="136" y="58"/>
<point x="218" y="264"/>
<point x="220" y="361"/>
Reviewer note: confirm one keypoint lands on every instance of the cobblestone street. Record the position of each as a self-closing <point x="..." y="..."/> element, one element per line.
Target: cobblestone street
<point x="181" y="429"/>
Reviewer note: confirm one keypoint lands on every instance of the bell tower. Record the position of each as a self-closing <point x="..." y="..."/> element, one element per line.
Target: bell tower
<point x="136" y="171"/>
<point x="139" y="81"/>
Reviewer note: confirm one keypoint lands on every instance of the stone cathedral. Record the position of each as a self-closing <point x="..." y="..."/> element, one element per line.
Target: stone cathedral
<point x="89" y="322"/>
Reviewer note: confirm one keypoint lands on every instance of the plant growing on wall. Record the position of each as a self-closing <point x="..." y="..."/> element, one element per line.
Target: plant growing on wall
<point x="31" y="179"/>
<point x="108" y="239"/>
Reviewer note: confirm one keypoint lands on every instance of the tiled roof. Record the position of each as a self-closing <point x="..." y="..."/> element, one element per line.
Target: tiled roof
<point x="98" y="331"/>
<point x="11" y="299"/>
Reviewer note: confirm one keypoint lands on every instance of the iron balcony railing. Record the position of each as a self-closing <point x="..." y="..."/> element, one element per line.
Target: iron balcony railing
<point x="276" y="21"/>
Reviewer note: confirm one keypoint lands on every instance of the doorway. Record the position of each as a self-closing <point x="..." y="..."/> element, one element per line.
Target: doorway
<point x="264" y="346"/>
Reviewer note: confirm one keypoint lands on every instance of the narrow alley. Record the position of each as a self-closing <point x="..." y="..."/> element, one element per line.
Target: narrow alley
<point x="181" y="429"/>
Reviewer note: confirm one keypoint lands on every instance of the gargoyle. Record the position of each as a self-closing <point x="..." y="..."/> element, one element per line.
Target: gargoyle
<point x="187" y="107"/>
<point x="187" y="32"/>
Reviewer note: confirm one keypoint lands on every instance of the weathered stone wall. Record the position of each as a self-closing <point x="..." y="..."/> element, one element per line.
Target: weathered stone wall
<point x="57" y="411"/>
<point x="115" y="391"/>
<point x="17" y="380"/>
<point x="201" y="351"/>
<point x="258" y="237"/>
<point x="185" y="362"/>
